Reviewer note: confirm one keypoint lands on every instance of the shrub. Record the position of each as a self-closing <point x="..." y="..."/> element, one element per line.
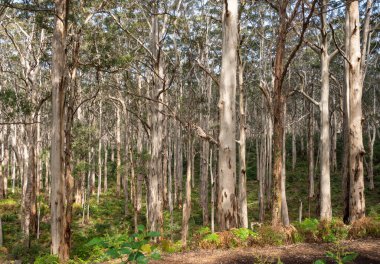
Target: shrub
<point x="244" y="236"/>
<point x="47" y="259"/>
<point x="27" y="255"/>
<point x="203" y="231"/>
<point x="170" y="247"/>
<point x="269" y="235"/>
<point x="307" y="230"/>
<point x="339" y="254"/>
<point x="332" y="231"/>
<point x="210" y="241"/>
<point x="374" y="212"/>
<point x="365" y="227"/>
<point x="136" y="248"/>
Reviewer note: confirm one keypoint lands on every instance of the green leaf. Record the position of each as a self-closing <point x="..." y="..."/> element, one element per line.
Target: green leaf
<point x="153" y="234"/>
<point x="146" y="248"/>
<point x="351" y="256"/>
<point x="126" y="244"/>
<point x="135" y="255"/>
<point x="319" y="261"/>
<point x="95" y="241"/>
<point x="113" y="253"/>
<point x="137" y="245"/>
<point x="141" y="228"/>
<point x="155" y="256"/>
<point x="142" y="260"/>
<point x="125" y="251"/>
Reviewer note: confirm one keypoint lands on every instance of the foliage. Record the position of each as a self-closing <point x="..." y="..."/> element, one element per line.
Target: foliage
<point x="204" y="230"/>
<point x="332" y="231"/>
<point x="170" y="246"/>
<point x="27" y="254"/>
<point x="47" y="259"/>
<point x="374" y="212"/>
<point x="312" y="230"/>
<point x="135" y="248"/>
<point x="365" y="227"/>
<point x="269" y="235"/>
<point x="244" y="236"/>
<point x="307" y="230"/>
<point x="210" y="241"/>
<point x="339" y="255"/>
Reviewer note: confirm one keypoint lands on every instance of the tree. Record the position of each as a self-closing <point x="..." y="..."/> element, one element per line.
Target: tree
<point x="58" y="190"/>
<point x="280" y="69"/>
<point x="356" y="63"/>
<point x="227" y="204"/>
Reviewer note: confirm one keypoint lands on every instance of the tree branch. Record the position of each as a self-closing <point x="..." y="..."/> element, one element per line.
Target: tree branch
<point x="208" y="72"/>
<point x="337" y="46"/>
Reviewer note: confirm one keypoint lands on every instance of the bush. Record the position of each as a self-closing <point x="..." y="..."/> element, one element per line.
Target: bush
<point x="307" y="230"/>
<point x="210" y="241"/>
<point x="170" y="247"/>
<point x="244" y="236"/>
<point x="269" y="235"/>
<point x="47" y="259"/>
<point x="374" y="212"/>
<point x="332" y="231"/>
<point x="204" y="230"/>
<point x="365" y="227"/>
<point x="27" y="255"/>
<point x="136" y="248"/>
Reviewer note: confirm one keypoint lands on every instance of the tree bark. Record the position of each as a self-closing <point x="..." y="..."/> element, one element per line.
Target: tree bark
<point x="58" y="192"/>
<point x="325" y="189"/>
<point x="278" y="114"/>
<point x="284" y="204"/>
<point x="243" y="211"/>
<point x="227" y="204"/>
<point x="155" y="174"/>
<point x="356" y="148"/>
<point x="99" y="155"/>
<point x="118" y="150"/>
<point x="310" y="154"/>
<point x="187" y="203"/>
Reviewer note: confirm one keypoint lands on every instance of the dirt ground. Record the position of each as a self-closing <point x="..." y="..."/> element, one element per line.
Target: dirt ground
<point x="368" y="250"/>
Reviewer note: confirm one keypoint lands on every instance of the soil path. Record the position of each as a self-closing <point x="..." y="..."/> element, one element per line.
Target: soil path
<point x="368" y="250"/>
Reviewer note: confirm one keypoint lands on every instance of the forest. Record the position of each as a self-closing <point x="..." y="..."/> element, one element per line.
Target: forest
<point x="189" y="131"/>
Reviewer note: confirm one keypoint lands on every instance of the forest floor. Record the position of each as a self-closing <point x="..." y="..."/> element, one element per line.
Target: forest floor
<point x="368" y="250"/>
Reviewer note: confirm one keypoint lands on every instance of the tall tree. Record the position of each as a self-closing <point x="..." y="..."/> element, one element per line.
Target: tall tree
<point x="58" y="190"/>
<point x="281" y="66"/>
<point x="227" y="204"/>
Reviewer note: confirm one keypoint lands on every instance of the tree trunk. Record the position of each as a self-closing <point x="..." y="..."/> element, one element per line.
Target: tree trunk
<point x="212" y="193"/>
<point x="155" y="217"/>
<point x="371" y="144"/>
<point x="346" y="120"/>
<point x="99" y="155"/>
<point x="170" y="183"/>
<point x="14" y="160"/>
<point x="284" y="204"/>
<point x="294" y="145"/>
<point x="334" y="164"/>
<point x="118" y="150"/>
<point x="105" y="182"/>
<point x="1" y="233"/>
<point x="187" y="203"/>
<point x="243" y="212"/>
<point x="278" y="114"/>
<point x="356" y="148"/>
<point x="325" y="189"/>
<point x="227" y="207"/>
<point x="310" y="154"/>
<point x="58" y="191"/>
